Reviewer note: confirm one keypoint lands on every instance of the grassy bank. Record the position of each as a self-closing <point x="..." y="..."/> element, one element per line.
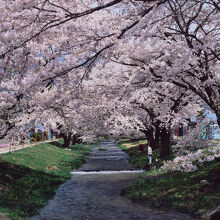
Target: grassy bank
<point x="138" y="157"/>
<point x="29" y="177"/>
<point x="181" y="191"/>
<point x="185" y="192"/>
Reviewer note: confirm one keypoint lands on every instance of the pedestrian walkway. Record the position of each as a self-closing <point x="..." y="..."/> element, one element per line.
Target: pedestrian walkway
<point x="7" y="149"/>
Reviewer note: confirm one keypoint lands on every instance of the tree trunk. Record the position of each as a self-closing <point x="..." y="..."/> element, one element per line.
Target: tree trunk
<point x="151" y="140"/>
<point x="66" y="139"/>
<point x="150" y="137"/>
<point x="218" y="118"/>
<point x="76" y="139"/>
<point x="165" y="143"/>
<point x="156" y="138"/>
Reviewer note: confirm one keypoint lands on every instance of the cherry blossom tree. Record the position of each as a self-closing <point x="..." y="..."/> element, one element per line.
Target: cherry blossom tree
<point x="49" y="50"/>
<point x="134" y="108"/>
<point x="178" y="42"/>
<point x="41" y="42"/>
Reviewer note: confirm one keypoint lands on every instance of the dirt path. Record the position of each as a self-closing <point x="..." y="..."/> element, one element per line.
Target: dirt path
<point x="93" y="192"/>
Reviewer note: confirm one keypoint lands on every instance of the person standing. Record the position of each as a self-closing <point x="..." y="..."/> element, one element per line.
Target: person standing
<point x="149" y="151"/>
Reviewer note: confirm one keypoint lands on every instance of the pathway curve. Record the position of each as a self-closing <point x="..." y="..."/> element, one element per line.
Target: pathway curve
<point x="93" y="192"/>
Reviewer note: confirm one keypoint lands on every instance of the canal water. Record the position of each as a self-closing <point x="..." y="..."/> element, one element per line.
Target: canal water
<point x="93" y="193"/>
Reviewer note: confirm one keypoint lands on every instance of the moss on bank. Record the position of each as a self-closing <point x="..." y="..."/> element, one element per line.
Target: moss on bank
<point x="29" y="177"/>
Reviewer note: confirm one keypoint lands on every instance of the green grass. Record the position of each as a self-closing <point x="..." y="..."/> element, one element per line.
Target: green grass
<point x="26" y="183"/>
<point x="127" y="143"/>
<point x="139" y="158"/>
<point x="180" y="191"/>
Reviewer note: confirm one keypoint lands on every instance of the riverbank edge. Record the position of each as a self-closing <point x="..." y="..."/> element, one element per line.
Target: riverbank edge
<point x="193" y="193"/>
<point x="30" y="177"/>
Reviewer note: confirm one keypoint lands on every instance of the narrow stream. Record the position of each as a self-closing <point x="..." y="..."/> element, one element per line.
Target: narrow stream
<point x="93" y="192"/>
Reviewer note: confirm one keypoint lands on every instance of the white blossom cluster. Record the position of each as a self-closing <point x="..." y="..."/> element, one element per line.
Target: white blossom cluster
<point x="111" y="66"/>
<point x="196" y="138"/>
<point x="191" y="161"/>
